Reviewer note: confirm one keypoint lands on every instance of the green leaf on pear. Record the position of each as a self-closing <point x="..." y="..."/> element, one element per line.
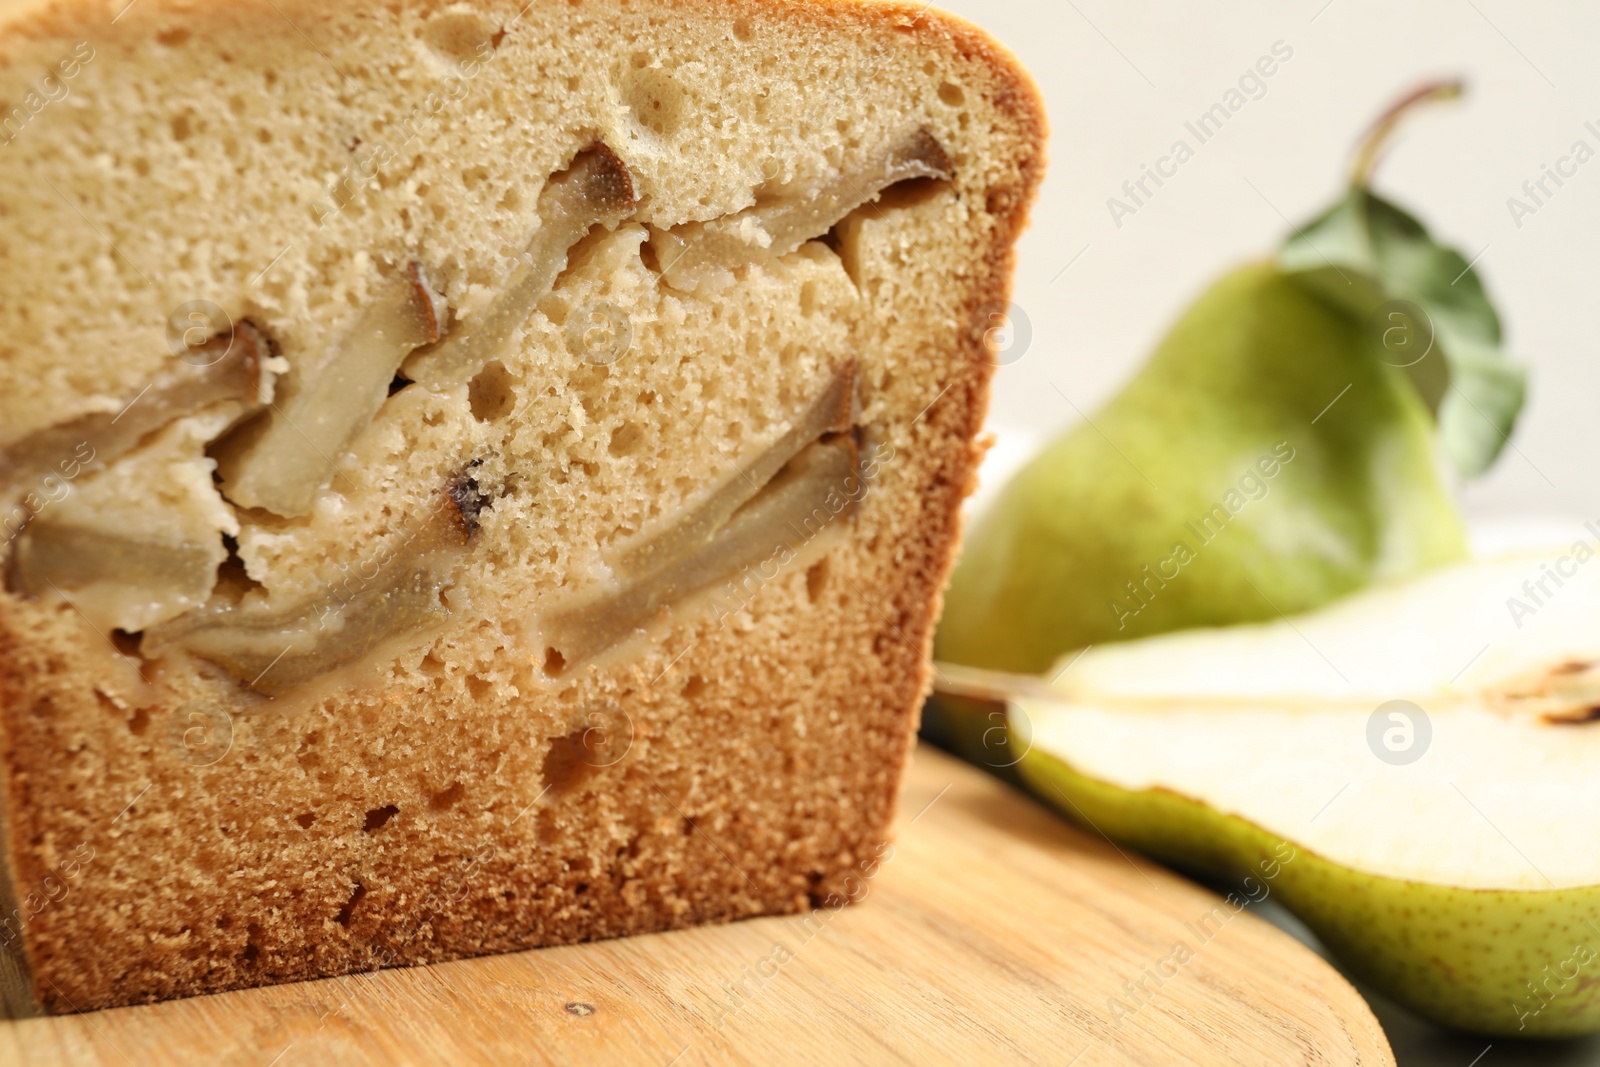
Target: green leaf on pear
<point x="1426" y="311"/>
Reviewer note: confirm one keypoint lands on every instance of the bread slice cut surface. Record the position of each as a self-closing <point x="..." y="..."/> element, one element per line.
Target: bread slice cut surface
<point x="476" y="476"/>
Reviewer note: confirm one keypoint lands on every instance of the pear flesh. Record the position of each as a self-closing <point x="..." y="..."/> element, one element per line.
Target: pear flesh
<point x="1427" y="750"/>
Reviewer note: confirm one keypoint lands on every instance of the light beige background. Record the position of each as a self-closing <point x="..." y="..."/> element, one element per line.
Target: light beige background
<point x="1121" y="77"/>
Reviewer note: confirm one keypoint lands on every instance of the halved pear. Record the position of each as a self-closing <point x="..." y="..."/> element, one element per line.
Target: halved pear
<point x="1428" y="751"/>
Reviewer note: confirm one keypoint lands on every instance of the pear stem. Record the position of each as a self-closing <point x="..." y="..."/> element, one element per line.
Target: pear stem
<point x="1370" y="151"/>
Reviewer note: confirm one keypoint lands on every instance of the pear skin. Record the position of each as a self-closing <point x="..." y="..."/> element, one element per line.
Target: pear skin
<point x="1509" y="963"/>
<point x="1264" y="461"/>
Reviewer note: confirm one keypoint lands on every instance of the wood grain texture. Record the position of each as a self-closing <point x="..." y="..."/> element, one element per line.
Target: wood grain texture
<point x="993" y="933"/>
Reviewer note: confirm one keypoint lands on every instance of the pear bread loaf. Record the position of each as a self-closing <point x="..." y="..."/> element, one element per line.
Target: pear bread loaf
<point x="477" y="476"/>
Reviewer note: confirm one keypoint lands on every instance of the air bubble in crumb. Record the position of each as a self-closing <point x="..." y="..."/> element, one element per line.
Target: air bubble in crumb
<point x="491" y="394"/>
<point x="377" y="817"/>
<point x="443" y="801"/>
<point x="817" y="580"/>
<point x="458" y="35"/>
<point x="554" y="663"/>
<point x="343" y="918"/>
<point x="656" y="100"/>
<point x="567" y="764"/>
<point x="625" y="440"/>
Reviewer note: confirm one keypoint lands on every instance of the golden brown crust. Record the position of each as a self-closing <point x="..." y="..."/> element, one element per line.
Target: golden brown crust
<point x="731" y="815"/>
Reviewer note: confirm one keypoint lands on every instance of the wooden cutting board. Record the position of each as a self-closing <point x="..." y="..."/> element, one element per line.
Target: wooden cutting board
<point x="996" y="933"/>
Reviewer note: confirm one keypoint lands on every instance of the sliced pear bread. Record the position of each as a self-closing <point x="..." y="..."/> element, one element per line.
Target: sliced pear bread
<point x="478" y="476"/>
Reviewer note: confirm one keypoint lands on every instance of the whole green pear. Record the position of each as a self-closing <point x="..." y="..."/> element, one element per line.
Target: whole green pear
<point x="1266" y="460"/>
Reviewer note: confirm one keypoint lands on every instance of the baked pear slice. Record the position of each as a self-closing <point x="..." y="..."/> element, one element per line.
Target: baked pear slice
<point x="1428" y="753"/>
